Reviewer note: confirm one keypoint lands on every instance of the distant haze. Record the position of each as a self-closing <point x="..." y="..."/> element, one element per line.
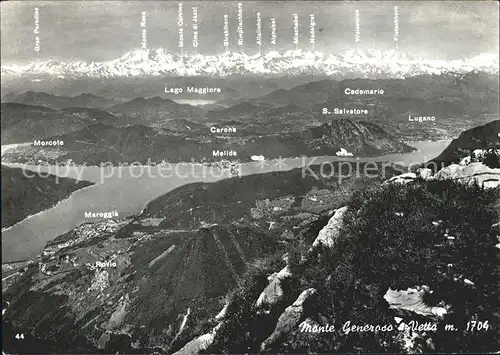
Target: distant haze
<point x="104" y="30"/>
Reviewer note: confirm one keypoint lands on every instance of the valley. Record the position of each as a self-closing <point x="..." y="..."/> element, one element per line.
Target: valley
<point x="308" y="120"/>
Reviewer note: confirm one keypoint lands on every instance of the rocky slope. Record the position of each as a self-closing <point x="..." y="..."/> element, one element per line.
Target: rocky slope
<point x="24" y="194"/>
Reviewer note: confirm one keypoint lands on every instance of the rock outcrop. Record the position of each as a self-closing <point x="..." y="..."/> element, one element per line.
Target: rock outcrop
<point x="412" y="300"/>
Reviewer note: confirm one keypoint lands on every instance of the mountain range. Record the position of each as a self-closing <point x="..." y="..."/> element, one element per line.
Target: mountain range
<point x="26" y="193"/>
<point x="159" y="62"/>
<point x="214" y="267"/>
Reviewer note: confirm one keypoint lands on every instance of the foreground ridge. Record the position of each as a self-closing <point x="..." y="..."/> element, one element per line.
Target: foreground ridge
<point x="155" y="62"/>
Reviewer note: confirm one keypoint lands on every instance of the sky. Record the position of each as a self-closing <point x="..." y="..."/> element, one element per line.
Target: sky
<point x="105" y="30"/>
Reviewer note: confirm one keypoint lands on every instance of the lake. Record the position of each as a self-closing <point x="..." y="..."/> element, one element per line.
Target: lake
<point x="129" y="189"/>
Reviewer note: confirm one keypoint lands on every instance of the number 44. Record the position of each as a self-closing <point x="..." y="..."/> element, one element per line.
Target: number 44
<point x="19" y="336"/>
